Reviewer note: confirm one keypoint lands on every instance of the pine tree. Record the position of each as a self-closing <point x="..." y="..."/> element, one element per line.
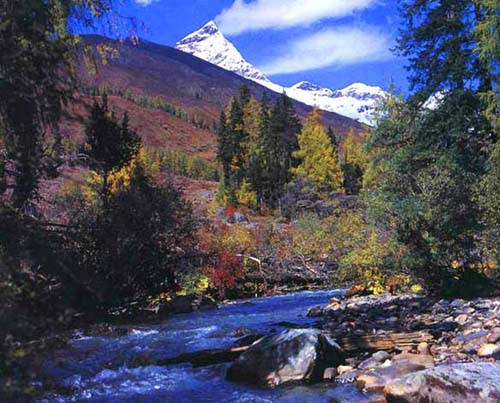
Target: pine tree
<point x="244" y="96"/>
<point x="439" y="42"/>
<point x="253" y="146"/>
<point x="333" y="138"/>
<point x="319" y="163"/>
<point x="279" y="145"/>
<point x="432" y="161"/>
<point x="111" y="145"/>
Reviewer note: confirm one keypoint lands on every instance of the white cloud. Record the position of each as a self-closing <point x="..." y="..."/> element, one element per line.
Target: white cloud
<point x="331" y="47"/>
<point x="255" y="15"/>
<point x="145" y="3"/>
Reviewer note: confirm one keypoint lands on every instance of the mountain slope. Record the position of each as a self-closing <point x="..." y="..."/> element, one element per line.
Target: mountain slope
<point x="357" y="101"/>
<point x="198" y="87"/>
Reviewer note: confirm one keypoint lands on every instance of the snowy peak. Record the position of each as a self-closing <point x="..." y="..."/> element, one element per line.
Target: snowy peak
<point x="208" y="43"/>
<point x="361" y="91"/>
<point x="306" y="86"/>
<point x="204" y="33"/>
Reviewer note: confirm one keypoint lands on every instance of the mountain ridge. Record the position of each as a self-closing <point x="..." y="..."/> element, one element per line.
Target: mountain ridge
<point x="357" y="101"/>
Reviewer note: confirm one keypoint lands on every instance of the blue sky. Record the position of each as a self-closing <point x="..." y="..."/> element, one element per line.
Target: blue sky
<point x="329" y="42"/>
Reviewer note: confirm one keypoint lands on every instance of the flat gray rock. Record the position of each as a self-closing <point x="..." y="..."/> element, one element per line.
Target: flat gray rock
<point x="457" y="383"/>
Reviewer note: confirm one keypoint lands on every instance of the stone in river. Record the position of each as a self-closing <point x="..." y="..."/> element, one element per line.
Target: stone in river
<point x="291" y="356"/>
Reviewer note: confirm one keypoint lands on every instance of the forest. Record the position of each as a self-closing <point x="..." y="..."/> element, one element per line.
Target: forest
<point x="410" y="205"/>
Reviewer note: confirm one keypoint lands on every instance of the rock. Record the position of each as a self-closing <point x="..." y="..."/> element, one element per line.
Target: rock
<point x="461" y="319"/>
<point x="347" y="377"/>
<point x="472" y="346"/>
<point x="182" y="304"/>
<point x="457" y="303"/>
<point x="206" y="304"/>
<point x="370" y="363"/>
<point x="329" y="374"/>
<point x="344" y="369"/>
<point x="457" y="383"/>
<point x="289" y="325"/>
<point x="315" y="312"/>
<point x="402" y="364"/>
<point x="247" y="340"/>
<point x="381" y="356"/>
<point x="375" y="360"/>
<point x="494" y="336"/>
<point x="241" y="331"/>
<point x="355" y="290"/>
<point x="293" y="355"/>
<point x="352" y="361"/>
<point x="489" y="350"/>
<point x="423" y="348"/>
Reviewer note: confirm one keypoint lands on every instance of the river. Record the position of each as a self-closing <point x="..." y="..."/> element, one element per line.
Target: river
<point x="94" y="368"/>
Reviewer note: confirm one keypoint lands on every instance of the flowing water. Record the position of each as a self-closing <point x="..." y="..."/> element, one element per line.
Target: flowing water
<point x="94" y="368"/>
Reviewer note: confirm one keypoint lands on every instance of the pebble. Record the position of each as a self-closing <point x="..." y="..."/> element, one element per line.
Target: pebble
<point x="344" y="369"/>
<point x="489" y="350"/>
<point x="423" y="348"/>
<point x="494" y="336"/>
<point x="329" y="374"/>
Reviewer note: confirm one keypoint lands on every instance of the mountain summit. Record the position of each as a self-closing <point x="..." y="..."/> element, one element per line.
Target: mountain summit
<point x="357" y="101"/>
<point x="209" y="44"/>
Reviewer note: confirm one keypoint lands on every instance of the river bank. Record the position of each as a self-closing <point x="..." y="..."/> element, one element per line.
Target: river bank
<point x="383" y="340"/>
<point x="403" y="345"/>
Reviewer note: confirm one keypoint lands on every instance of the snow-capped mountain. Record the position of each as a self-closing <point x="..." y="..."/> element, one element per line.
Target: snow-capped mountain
<point x="357" y="101"/>
<point x="209" y="44"/>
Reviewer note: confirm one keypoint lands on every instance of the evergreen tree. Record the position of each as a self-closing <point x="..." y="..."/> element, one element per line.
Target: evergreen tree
<point x="318" y="161"/>
<point x="279" y="144"/>
<point x="439" y="41"/>
<point x="244" y="96"/>
<point x="111" y="144"/>
<point x="253" y="146"/>
<point x="432" y="161"/>
<point x="236" y="137"/>
<point x="36" y="78"/>
<point x="333" y="138"/>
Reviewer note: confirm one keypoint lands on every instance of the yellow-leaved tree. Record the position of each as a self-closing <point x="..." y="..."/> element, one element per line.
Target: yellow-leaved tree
<point x="319" y="163"/>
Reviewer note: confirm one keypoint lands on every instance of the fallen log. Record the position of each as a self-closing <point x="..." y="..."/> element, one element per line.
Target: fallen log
<point x="385" y="341"/>
<point x="205" y="357"/>
<point x="350" y="344"/>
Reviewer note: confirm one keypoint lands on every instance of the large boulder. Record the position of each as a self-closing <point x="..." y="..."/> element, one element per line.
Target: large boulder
<point x="457" y="383"/>
<point x="179" y="304"/>
<point x="291" y="356"/>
